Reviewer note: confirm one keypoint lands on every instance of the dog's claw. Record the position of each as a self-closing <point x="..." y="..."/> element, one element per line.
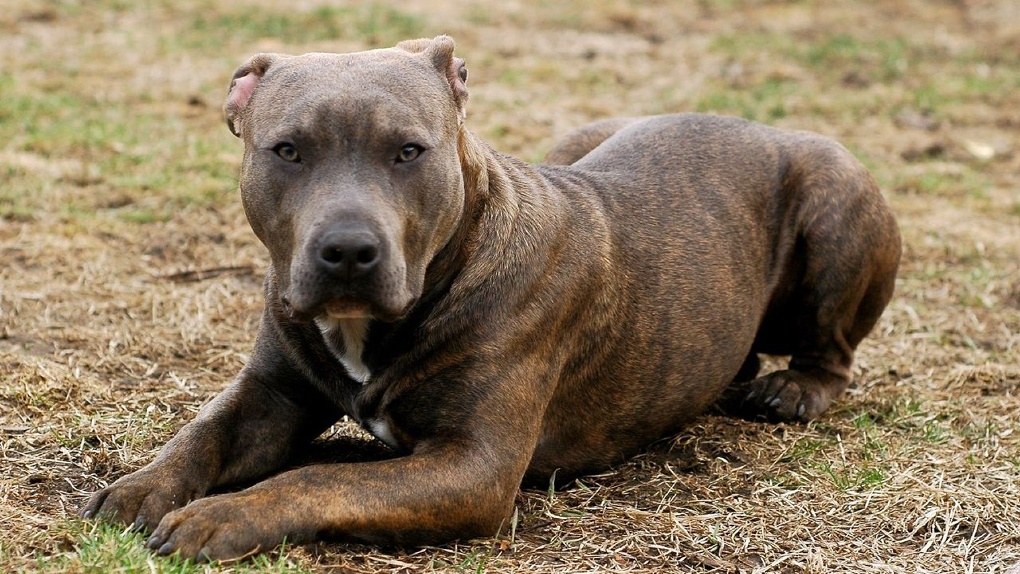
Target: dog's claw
<point x="165" y="550"/>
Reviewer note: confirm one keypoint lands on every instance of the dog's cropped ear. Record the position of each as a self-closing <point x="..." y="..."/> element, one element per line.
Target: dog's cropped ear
<point x="242" y="85"/>
<point x="440" y="51"/>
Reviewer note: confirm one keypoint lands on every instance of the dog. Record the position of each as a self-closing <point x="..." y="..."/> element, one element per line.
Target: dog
<point x="493" y="321"/>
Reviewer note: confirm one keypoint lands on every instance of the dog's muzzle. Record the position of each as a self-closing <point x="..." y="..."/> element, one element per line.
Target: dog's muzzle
<point x="343" y="272"/>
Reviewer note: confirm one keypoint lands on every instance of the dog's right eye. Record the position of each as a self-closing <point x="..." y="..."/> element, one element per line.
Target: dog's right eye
<point x="287" y="152"/>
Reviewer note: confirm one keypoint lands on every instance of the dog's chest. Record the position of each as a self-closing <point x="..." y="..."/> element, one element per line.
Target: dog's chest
<point x="345" y="338"/>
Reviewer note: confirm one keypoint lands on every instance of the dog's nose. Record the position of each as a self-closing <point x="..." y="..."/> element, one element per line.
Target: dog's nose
<point x="348" y="254"/>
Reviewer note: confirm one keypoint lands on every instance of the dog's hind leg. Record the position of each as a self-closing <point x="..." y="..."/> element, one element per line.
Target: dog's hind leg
<point x="833" y="281"/>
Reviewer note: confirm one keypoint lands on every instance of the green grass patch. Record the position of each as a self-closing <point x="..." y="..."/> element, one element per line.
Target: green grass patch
<point x="917" y="421"/>
<point x="100" y="547"/>
<point x="476" y="561"/>
<point x="967" y="183"/>
<point x="849" y="477"/>
<point x="846" y="66"/>
<point x="748" y="42"/>
<point x="143" y="216"/>
<point x="765" y="102"/>
<point x="872" y="447"/>
<point x="13" y="206"/>
<point x="834" y="60"/>
<point x="46" y="122"/>
<point x="804" y="449"/>
<point x="369" y="23"/>
<point x="882" y="60"/>
<point x="69" y="153"/>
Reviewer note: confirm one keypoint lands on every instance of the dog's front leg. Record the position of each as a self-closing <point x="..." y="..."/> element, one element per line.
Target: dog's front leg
<point x="246" y="432"/>
<point x="431" y="496"/>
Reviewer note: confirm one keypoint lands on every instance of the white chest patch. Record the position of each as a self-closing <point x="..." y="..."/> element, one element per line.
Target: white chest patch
<point x="348" y="336"/>
<point x="380" y="429"/>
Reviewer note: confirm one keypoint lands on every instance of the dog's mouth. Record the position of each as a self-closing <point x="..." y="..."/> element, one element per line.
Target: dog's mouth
<point x="311" y="293"/>
<point x="340" y="308"/>
<point x="347" y="309"/>
<point x="360" y="309"/>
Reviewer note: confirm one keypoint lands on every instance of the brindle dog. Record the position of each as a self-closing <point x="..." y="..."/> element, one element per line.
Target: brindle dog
<point x="493" y="321"/>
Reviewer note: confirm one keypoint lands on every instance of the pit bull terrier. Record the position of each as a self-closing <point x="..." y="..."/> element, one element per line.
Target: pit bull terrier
<point x="493" y="321"/>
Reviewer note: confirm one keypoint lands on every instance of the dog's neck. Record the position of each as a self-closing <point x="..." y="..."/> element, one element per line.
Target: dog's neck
<point x="492" y="210"/>
<point x="500" y="217"/>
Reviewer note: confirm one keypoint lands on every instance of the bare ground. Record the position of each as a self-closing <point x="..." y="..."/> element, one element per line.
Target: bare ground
<point x="129" y="281"/>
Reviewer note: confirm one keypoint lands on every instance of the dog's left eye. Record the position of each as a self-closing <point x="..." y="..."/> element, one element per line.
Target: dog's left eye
<point x="409" y="152"/>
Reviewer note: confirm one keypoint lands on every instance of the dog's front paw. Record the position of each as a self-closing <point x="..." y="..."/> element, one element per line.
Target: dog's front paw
<point x="221" y="528"/>
<point x="141" y="499"/>
<point x="789" y="395"/>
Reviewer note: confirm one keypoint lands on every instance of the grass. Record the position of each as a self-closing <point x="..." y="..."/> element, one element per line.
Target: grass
<point x="376" y="24"/>
<point x="767" y="101"/>
<point x="103" y="548"/>
<point x="76" y="151"/>
<point x="886" y="60"/>
<point x="118" y="188"/>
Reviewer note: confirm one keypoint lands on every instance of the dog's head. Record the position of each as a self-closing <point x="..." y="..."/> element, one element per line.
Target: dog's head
<point x="351" y="175"/>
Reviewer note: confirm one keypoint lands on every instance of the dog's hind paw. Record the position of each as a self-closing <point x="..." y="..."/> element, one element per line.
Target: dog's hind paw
<point x="786" y="395"/>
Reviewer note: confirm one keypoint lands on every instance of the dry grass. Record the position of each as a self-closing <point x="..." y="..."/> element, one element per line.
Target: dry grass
<point x="129" y="281"/>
